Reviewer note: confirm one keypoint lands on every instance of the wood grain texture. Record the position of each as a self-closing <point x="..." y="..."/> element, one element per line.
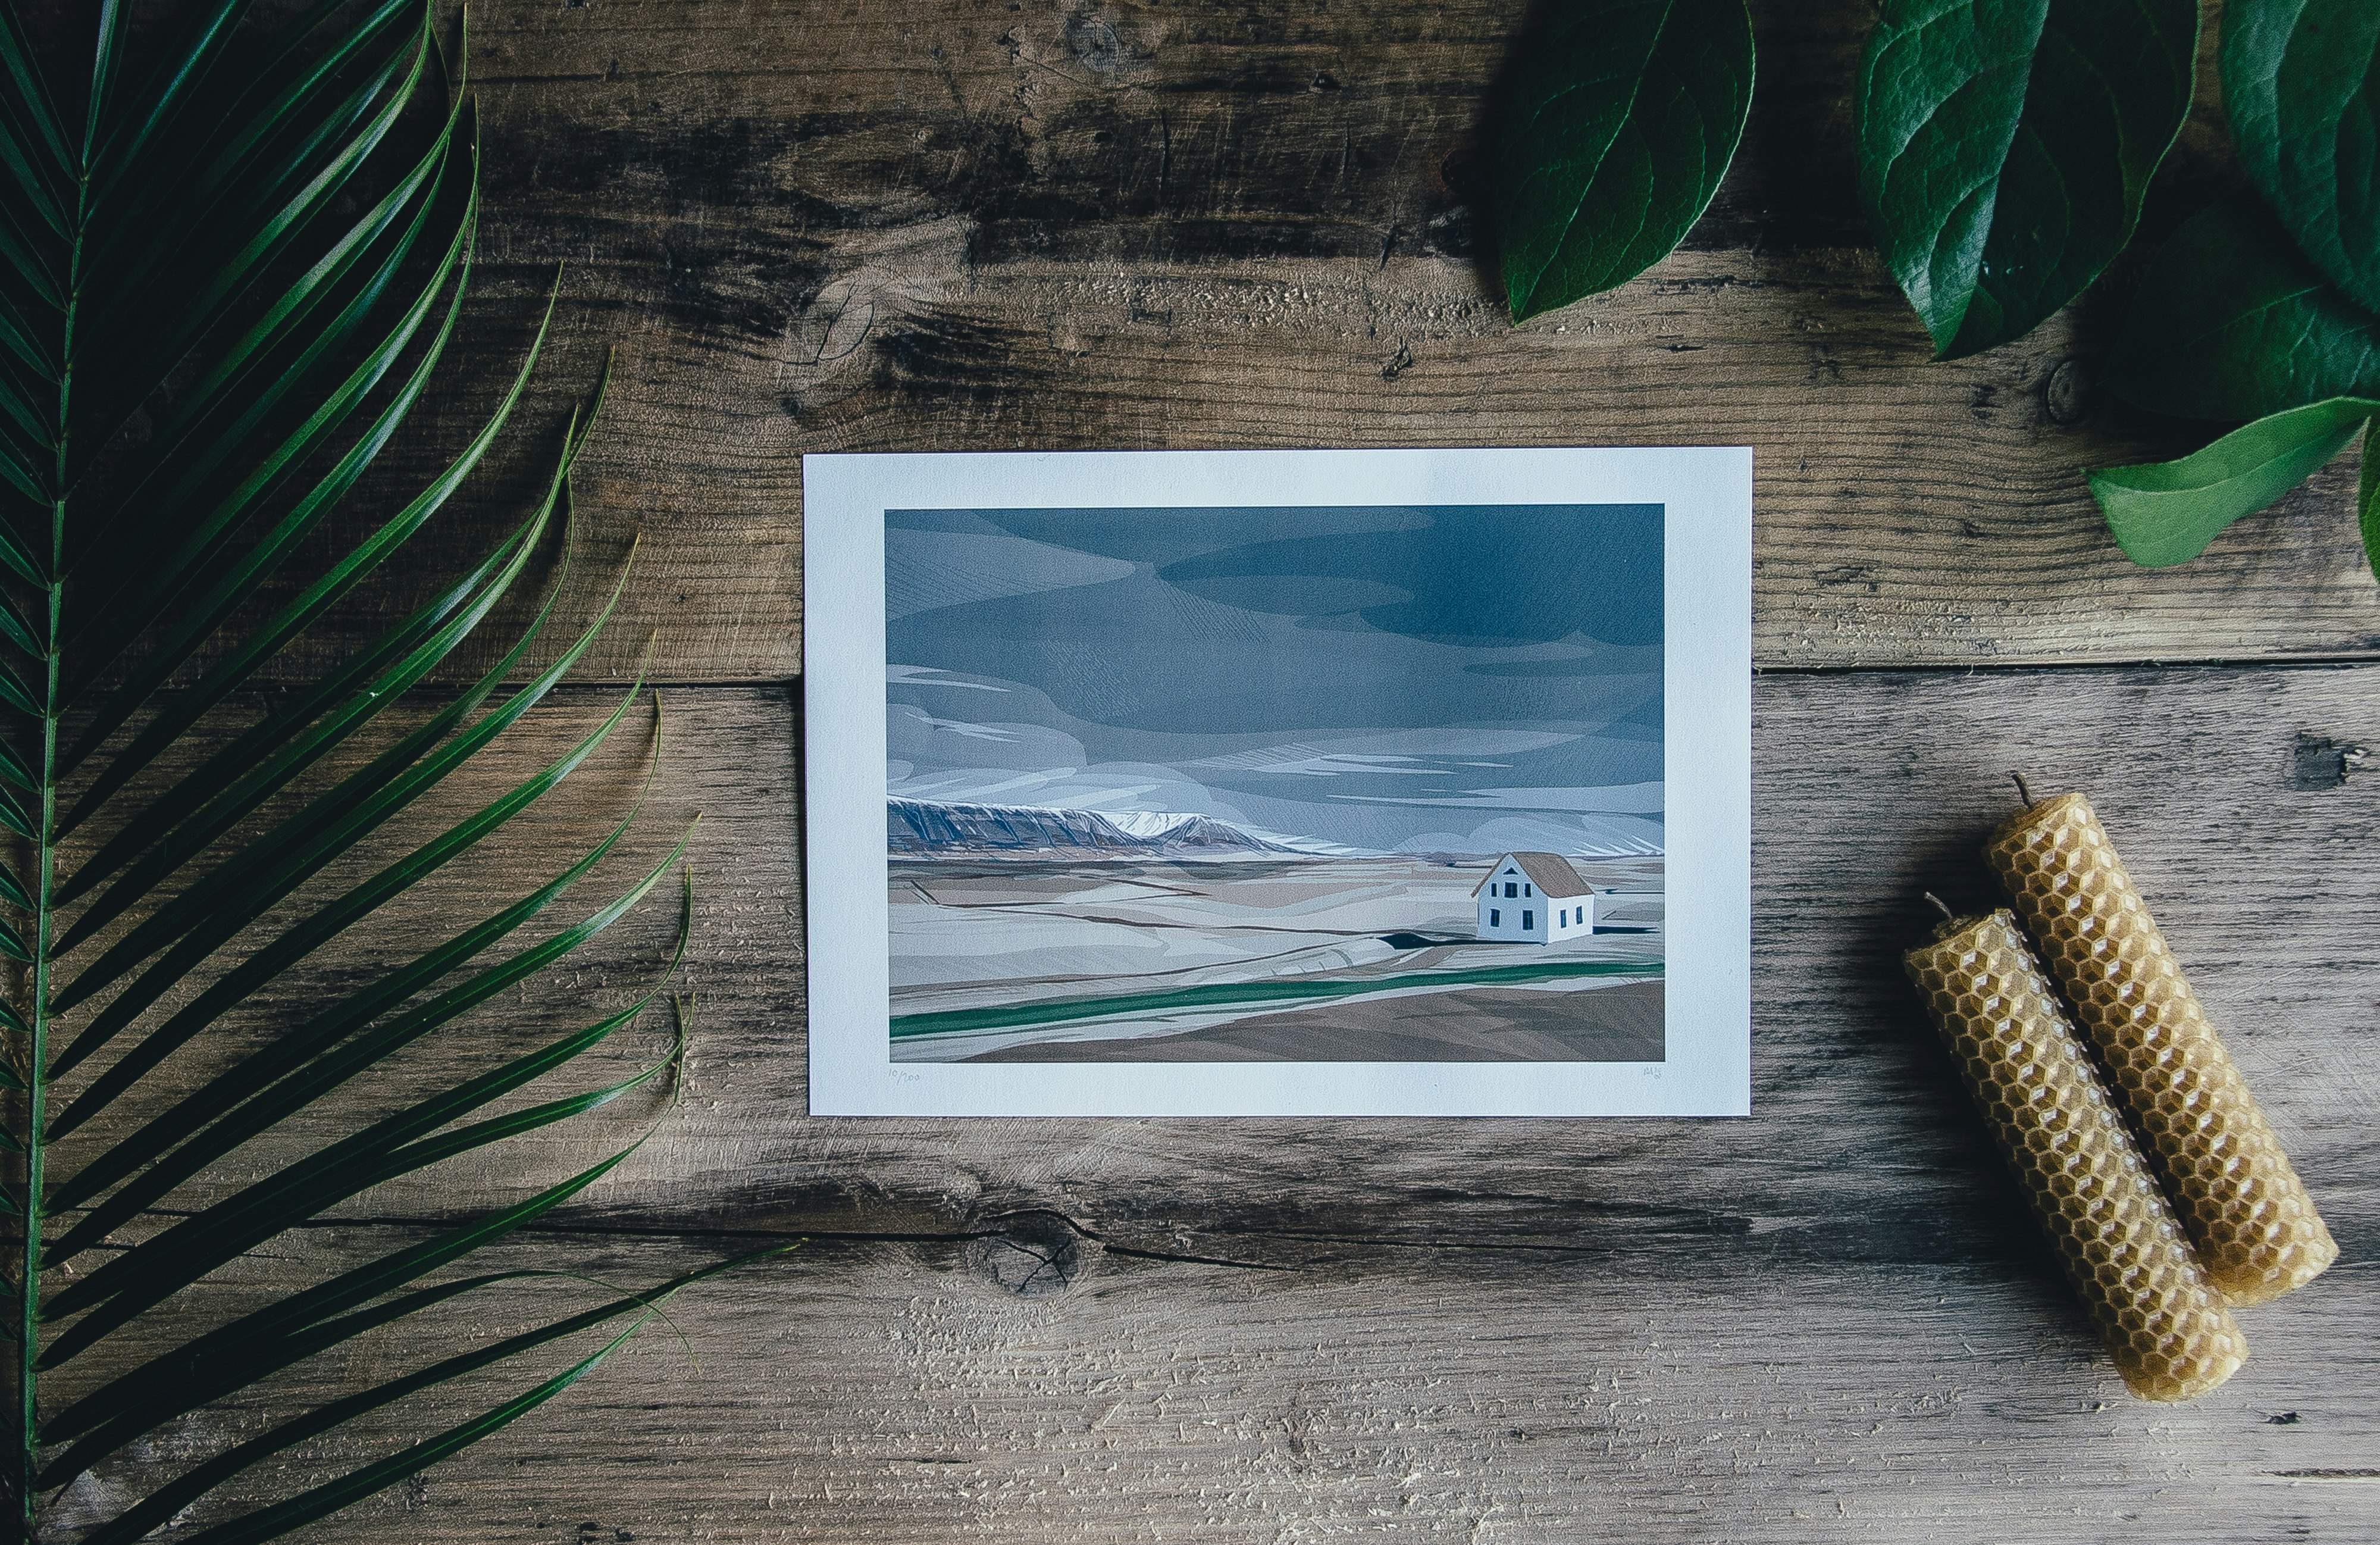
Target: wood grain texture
<point x="963" y="225"/>
<point x="1831" y="1320"/>
<point x="972" y="224"/>
<point x="905" y="1391"/>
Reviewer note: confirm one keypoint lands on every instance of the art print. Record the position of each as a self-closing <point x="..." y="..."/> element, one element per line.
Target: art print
<point x="1221" y="804"/>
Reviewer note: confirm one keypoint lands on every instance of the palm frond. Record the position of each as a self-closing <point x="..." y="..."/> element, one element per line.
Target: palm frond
<point x="255" y="244"/>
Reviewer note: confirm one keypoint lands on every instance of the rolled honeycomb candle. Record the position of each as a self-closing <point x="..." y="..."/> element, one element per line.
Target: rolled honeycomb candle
<point x="2167" y="1328"/>
<point x="2256" y="1230"/>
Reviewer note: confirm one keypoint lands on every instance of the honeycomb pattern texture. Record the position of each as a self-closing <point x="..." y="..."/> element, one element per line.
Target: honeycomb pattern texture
<point x="2256" y="1230"/>
<point x="2168" y="1329"/>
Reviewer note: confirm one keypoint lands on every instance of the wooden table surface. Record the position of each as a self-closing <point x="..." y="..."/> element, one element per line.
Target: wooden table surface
<point x="939" y="225"/>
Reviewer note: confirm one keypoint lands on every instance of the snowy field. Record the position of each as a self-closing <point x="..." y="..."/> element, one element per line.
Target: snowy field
<point x="1297" y="958"/>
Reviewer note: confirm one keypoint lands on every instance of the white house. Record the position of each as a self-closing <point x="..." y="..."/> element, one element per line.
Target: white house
<point x="1533" y="898"/>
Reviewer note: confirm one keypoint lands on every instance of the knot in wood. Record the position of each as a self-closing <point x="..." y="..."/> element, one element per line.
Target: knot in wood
<point x="1035" y="1255"/>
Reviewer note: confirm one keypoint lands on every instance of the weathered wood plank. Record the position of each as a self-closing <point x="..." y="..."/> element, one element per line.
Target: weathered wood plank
<point x="1830" y="1317"/>
<point x="957" y="225"/>
<point x="881" y="1391"/>
<point x="1868" y="789"/>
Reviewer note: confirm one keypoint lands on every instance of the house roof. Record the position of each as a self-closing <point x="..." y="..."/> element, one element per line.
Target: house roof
<point x="1550" y="872"/>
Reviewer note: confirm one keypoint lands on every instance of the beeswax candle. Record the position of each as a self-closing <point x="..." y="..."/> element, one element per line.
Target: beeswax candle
<point x="2256" y="1230"/>
<point x="2170" y="1332"/>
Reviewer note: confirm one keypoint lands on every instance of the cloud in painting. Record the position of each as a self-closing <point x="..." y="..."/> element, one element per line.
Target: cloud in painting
<point x="1373" y="678"/>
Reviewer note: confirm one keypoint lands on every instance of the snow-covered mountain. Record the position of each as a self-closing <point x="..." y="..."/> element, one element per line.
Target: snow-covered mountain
<point x="914" y="826"/>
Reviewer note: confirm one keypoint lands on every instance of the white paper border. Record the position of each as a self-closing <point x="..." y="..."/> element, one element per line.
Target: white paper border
<point x="1706" y="613"/>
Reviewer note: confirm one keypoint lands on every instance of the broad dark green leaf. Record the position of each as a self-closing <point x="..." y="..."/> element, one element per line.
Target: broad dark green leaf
<point x="2301" y="85"/>
<point x="2165" y="513"/>
<point x="2005" y="149"/>
<point x="1622" y="119"/>
<point x="2231" y="322"/>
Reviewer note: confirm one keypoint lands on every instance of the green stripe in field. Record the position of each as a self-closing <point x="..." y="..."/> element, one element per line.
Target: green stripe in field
<point x="1061" y="1011"/>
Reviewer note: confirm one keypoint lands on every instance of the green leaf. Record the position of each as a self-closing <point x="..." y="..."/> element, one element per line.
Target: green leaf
<point x="170" y="1386"/>
<point x="160" y="1266"/>
<point x="227" y="674"/>
<point x="196" y="830"/>
<point x="238" y="761"/>
<point x="2301" y="85"/>
<point x="373" y="1154"/>
<point x="16" y="630"/>
<point x="115" y="26"/>
<point x="13" y="770"/>
<point x="2166" y="513"/>
<point x="245" y="1339"/>
<point x="328" y="1498"/>
<point x="240" y="147"/>
<point x="183" y="67"/>
<point x="171" y="1264"/>
<point x="202" y="620"/>
<point x="105" y="336"/>
<point x="270" y="1522"/>
<point x="17" y="695"/>
<point x="217" y="282"/>
<point x="2005" y="149"/>
<point x="235" y="893"/>
<point x="263" y="964"/>
<point x="2231" y="322"/>
<point x="28" y="99"/>
<point x="384" y="231"/>
<point x="1620" y="123"/>
<point x="172" y="1398"/>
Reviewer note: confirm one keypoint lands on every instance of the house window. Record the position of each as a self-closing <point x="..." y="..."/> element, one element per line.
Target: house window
<point x="1495" y="918"/>
<point x="1510" y="890"/>
<point x="1565" y="917"/>
<point x="1528" y="920"/>
<point x="1526" y="891"/>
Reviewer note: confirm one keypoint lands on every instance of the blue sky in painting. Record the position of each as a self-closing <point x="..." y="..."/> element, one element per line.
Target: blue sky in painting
<point x="1451" y="680"/>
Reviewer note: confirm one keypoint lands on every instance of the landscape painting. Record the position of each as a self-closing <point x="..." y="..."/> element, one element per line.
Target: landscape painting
<point x="1373" y="784"/>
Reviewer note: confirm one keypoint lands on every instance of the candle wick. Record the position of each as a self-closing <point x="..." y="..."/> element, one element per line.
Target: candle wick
<point x="1940" y="905"/>
<point x="2023" y="793"/>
